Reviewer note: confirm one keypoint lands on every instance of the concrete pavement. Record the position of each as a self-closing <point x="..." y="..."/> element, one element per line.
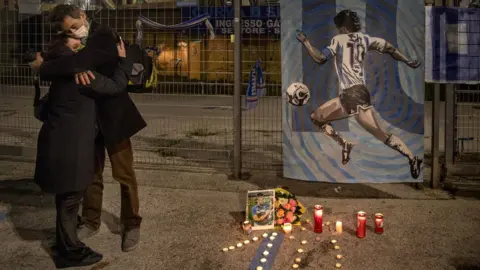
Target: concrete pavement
<point x="190" y="217"/>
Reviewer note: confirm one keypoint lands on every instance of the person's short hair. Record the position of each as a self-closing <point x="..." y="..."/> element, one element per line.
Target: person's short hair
<point x="59" y="12"/>
<point x="348" y="19"/>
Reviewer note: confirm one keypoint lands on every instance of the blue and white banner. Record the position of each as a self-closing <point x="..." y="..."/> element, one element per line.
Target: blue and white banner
<point x="452" y="45"/>
<point x="364" y="119"/>
<point x="256" y="87"/>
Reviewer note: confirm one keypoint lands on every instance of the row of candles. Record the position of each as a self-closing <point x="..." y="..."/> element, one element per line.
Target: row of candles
<point x="361" y="222"/>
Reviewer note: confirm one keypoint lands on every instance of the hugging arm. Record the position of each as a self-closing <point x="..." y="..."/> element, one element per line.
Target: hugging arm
<point x="98" y="52"/>
<point x="103" y="86"/>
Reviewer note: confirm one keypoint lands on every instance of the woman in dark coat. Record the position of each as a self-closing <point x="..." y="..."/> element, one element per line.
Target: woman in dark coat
<point x="66" y="145"/>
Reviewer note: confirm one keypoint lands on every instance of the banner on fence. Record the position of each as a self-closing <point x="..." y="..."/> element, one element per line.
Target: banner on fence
<point x="259" y="20"/>
<point x="452" y="45"/>
<point x="364" y="119"/>
<point x="256" y="87"/>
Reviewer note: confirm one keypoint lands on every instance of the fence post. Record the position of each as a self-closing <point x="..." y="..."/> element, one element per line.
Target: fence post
<point x="237" y="90"/>
<point x="435" y="175"/>
<point x="449" y="126"/>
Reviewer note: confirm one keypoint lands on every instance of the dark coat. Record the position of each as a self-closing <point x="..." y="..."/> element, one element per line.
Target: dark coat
<point x="118" y="117"/>
<point x="66" y="142"/>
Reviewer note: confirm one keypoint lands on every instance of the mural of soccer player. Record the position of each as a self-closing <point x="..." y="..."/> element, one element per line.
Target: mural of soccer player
<point x="348" y="50"/>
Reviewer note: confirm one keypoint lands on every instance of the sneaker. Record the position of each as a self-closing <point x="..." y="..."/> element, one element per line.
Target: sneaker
<point x="85" y="232"/>
<point x="415" y="166"/>
<point x="346" y="152"/>
<point x="130" y="239"/>
<point x="84" y="257"/>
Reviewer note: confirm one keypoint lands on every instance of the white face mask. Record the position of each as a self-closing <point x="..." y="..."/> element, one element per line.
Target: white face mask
<point x="81" y="32"/>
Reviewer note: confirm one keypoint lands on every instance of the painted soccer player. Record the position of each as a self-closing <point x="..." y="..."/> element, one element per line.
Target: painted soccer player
<point x="348" y="48"/>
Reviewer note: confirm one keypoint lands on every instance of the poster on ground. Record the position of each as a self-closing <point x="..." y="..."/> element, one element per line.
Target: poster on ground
<point x="362" y="62"/>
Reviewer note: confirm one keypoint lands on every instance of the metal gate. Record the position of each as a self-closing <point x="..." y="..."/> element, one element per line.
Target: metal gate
<point x="467" y="124"/>
<point x="189" y="113"/>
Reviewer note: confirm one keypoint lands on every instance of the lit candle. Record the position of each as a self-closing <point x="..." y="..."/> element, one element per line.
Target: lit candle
<point x="231" y="247"/>
<point x="328" y="223"/>
<point x="339" y="227"/>
<point x="295" y="266"/>
<point x="318" y="215"/>
<point x="239" y="245"/>
<point x="361" y="224"/>
<point x="272" y="238"/>
<point x="339" y="256"/>
<point x="379" y="223"/>
<point x="274" y="234"/>
<point x="334" y="241"/>
<point x="265" y="235"/>
<point x="246" y="242"/>
<point x="263" y="260"/>
<point x="298" y="260"/>
<point x="338" y="265"/>
<point x="300" y="250"/>
<point x="337" y="247"/>
<point x="287" y="228"/>
<point x="291" y="237"/>
<point x="269" y="245"/>
<point x="255" y="239"/>
<point x="247" y="227"/>
<point x="265" y="253"/>
<point x="225" y="249"/>
<point x="259" y="268"/>
<point x="304" y="242"/>
<point x="303" y="229"/>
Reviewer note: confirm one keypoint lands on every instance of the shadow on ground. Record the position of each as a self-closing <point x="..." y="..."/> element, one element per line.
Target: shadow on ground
<point x="25" y="199"/>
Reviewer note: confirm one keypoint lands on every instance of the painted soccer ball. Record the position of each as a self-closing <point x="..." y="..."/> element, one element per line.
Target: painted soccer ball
<point x="298" y="94"/>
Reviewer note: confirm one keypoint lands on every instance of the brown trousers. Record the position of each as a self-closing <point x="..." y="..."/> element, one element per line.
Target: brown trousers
<point x="121" y="158"/>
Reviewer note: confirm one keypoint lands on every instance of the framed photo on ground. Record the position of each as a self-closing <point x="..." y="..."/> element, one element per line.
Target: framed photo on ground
<point x="261" y="209"/>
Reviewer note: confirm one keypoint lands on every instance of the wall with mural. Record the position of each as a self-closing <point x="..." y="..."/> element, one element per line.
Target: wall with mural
<point x="352" y="76"/>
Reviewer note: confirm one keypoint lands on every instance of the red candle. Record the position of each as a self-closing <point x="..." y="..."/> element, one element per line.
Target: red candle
<point x="379" y="223"/>
<point x="361" y="224"/>
<point x="318" y="216"/>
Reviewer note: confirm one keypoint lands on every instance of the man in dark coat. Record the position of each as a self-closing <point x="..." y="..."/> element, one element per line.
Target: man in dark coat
<point x="66" y="146"/>
<point x="118" y="120"/>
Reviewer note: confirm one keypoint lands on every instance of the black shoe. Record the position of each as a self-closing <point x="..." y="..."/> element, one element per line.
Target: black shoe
<point x="85" y="257"/>
<point x="346" y="152"/>
<point x="415" y="167"/>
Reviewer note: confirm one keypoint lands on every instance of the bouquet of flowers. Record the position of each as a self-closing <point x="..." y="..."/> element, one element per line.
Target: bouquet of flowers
<point x="287" y="208"/>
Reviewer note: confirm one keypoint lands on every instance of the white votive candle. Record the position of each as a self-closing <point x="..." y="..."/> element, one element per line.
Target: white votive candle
<point x="304" y="242"/>
<point x="337" y="247"/>
<point x="272" y="238"/>
<point x="295" y="266"/>
<point x="255" y="239"/>
<point x="338" y="265"/>
<point x="274" y="234"/>
<point x="269" y="245"/>
<point x="259" y="268"/>
<point x="265" y="235"/>
<point x="300" y="250"/>
<point x="263" y="260"/>
<point x="339" y="256"/>
<point x="339" y="227"/>
<point x="239" y="245"/>
<point x="231" y="247"/>
<point x="291" y="237"/>
<point x="225" y="249"/>
<point x="246" y="242"/>
<point x="265" y="253"/>
<point x="298" y="260"/>
<point x="334" y="241"/>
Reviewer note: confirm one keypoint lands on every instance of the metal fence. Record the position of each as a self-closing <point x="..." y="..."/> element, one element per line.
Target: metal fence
<point x="189" y="113"/>
<point x="467" y="124"/>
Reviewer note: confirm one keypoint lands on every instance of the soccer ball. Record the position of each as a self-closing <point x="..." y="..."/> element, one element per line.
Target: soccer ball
<point x="298" y="94"/>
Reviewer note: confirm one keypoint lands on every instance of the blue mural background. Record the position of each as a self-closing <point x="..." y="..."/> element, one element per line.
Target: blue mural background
<point x="397" y="91"/>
